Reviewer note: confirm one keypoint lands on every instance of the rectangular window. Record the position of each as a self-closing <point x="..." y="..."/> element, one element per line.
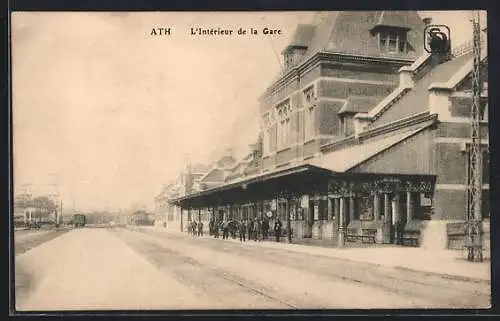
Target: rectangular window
<point x="279" y="135"/>
<point x="266" y="139"/>
<point x="283" y="134"/>
<point x="289" y="131"/>
<point x="393" y="41"/>
<point x="265" y="142"/>
<point x="309" y="123"/>
<point x="393" y="44"/>
<point x="309" y="98"/>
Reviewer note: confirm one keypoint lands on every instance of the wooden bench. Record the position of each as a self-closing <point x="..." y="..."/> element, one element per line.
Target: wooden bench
<point x="477" y="248"/>
<point x="411" y="238"/>
<point x="366" y="235"/>
<point x="351" y="235"/>
<point x="455" y="233"/>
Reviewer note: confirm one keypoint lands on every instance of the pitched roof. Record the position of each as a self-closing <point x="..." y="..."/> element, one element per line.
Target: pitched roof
<point x="393" y="19"/>
<point x="416" y="100"/>
<point x="199" y="168"/>
<point x="226" y="161"/>
<point x="344" y="159"/>
<point x="360" y="104"/>
<point x="303" y="35"/>
<point x="349" y="32"/>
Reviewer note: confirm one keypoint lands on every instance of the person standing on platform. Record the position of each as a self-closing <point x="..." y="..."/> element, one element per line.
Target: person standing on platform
<point x="255" y="229"/>
<point x="259" y="230"/>
<point x="193" y="228"/>
<point x="200" y="228"/>
<point x="216" y="229"/>
<point x="242" y="230"/>
<point x="225" y="229"/>
<point x="265" y="228"/>
<point x="277" y="229"/>
<point x="250" y="228"/>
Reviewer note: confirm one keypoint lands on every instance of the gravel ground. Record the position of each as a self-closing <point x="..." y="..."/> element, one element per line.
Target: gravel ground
<point x="99" y="269"/>
<point x="90" y="269"/>
<point x="26" y="240"/>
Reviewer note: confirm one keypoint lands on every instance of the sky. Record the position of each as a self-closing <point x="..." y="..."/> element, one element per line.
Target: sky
<point x="104" y="113"/>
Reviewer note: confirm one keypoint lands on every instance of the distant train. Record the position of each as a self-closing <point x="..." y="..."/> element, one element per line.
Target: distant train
<point x="79" y="220"/>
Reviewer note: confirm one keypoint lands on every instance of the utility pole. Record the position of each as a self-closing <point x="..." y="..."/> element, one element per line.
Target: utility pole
<point x="474" y="241"/>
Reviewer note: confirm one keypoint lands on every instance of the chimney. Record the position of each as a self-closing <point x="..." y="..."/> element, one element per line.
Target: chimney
<point x="406" y="77"/>
<point x="361" y="120"/>
<point x="439" y="100"/>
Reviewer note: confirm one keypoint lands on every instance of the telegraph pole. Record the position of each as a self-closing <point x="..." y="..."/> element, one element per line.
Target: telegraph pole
<point x="474" y="239"/>
<point x="61" y="213"/>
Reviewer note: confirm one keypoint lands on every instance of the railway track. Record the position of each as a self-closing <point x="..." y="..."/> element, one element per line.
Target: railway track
<point x="213" y="281"/>
<point x="440" y="292"/>
<point x="30" y="240"/>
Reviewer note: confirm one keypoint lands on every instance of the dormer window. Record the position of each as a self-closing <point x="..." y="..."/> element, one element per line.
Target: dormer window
<point x="346" y="124"/>
<point x="393" y="41"/>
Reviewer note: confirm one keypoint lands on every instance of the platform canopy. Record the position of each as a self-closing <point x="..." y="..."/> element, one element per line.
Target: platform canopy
<point x="263" y="186"/>
<point x="295" y="180"/>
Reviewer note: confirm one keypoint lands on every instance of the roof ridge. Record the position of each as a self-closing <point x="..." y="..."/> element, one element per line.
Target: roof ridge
<point x="389" y="101"/>
<point x="401" y="90"/>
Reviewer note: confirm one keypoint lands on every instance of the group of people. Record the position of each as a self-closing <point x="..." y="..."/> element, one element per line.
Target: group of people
<point x="196" y="228"/>
<point x="251" y="229"/>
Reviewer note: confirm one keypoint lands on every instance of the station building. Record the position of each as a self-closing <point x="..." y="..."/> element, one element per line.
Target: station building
<point x="364" y="127"/>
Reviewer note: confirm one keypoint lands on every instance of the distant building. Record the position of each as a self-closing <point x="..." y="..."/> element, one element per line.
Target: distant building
<point x="141" y="218"/>
<point x="194" y="178"/>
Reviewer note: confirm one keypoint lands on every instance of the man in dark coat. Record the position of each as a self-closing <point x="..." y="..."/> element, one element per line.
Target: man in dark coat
<point x="242" y="230"/>
<point x="200" y="228"/>
<point x="193" y="228"/>
<point x="277" y="229"/>
<point x="211" y="227"/>
<point x="225" y="229"/>
<point x="250" y="228"/>
<point x="265" y="228"/>
<point x="216" y="229"/>
<point x="259" y="230"/>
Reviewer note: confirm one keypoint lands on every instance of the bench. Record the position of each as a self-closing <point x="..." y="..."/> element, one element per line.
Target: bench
<point x="455" y="235"/>
<point x="411" y="238"/>
<point x="476" y="248"/>
<point x="366" y="235"/>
